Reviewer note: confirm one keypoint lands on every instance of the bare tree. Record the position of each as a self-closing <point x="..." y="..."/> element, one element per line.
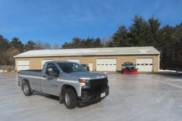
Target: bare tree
<point x="39" y="45"/>
<point x="56" y="46"/>
<point x="47" y="46"/>
<point x="10" y="55"/>
<point x="7" y="58"/>
<point x="107" y="41"/>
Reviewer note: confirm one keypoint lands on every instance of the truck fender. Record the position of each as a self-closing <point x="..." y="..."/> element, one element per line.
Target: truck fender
<point x="63" y="89"/>
<point x="23" y="81"/>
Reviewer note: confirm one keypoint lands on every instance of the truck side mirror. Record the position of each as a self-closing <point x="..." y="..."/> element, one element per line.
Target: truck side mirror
<point x="51" y="72"/>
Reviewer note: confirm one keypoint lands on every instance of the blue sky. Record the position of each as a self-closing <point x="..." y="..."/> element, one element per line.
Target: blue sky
<point x="58" y="21"/>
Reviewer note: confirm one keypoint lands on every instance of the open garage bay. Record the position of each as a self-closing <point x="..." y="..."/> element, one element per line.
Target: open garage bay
<point x="138" y="97"/>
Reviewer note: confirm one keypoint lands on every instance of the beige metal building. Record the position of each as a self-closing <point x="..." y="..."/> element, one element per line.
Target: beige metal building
<point x="98" y="59"/>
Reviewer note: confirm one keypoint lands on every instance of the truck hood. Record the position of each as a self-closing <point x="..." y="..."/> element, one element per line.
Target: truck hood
<point x="89" y="75"/>
<point x="129" y="66"/>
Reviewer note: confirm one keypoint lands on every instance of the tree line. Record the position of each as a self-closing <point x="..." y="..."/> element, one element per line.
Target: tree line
<point x="8" y="49"/>
<point x="166" y="39"/>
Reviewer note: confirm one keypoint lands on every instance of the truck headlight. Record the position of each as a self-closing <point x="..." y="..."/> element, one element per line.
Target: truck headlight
<point x="81" y="81"/>
<point x="84" y="81"/>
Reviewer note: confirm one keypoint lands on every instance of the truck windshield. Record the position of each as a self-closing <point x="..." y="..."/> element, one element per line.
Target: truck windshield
<point x="128" y="64"/>
<point x="71" y="67"/>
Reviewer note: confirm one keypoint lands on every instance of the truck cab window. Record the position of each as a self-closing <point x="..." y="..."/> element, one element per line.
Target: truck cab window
<point x="71" y="67"/>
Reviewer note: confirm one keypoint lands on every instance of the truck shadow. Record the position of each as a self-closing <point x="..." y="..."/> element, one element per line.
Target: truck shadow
<point x="79" y="105"/>
<point x="46" y="95"/>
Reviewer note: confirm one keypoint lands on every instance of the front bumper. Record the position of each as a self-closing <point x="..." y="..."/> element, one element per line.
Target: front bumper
<point x="129" y="70"/>
<point x="89" y="95"/>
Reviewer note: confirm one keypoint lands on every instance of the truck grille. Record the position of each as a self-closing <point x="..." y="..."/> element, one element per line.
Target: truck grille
<point x="96" y="87"/>
<point x="98" y="81"/>
<point x="97" y="84"/>
<point x="129" y="68"/>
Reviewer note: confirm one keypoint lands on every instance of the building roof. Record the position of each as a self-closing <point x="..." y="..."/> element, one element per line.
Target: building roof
<point x="148" y="50"/>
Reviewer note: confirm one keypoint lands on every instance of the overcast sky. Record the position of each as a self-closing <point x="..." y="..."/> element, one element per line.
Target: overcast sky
<point x="58" y="21"/>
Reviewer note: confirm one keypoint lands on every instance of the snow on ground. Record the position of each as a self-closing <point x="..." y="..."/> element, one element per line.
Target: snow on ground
<point x="161" y="70"/>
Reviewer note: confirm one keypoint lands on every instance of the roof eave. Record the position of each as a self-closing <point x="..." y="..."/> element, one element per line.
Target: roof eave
<point x="87" y="55"/>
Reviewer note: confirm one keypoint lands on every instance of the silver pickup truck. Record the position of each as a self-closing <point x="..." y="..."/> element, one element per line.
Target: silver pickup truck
<point x="71" y="82"/>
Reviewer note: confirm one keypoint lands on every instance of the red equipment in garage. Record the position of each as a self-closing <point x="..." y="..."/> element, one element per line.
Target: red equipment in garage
<point x="130" y="72"/>
<point x="129" y="68"/>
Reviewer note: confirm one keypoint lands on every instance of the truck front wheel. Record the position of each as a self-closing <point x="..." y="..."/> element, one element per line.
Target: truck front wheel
<point x="70" y="98"/>
<point x="26" y="89"/>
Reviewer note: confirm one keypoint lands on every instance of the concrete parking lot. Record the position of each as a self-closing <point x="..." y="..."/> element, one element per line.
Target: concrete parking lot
<point x="137" y="97"/>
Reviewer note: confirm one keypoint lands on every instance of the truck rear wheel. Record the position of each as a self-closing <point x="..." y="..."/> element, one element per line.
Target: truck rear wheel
<point x="70" y="98"/>
<point x="122" y="71"/>
<point x="26" y="89"/>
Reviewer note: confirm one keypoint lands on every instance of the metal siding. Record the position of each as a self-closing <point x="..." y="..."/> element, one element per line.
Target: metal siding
<point x="74" y="60"/>
<point x="35" y="63"/>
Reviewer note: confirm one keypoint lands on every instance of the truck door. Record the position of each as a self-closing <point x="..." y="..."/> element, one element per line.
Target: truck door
<point x="49" y="83"/>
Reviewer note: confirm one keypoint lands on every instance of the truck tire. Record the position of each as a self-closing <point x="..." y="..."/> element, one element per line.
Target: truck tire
<point x="70" y="98"/>
<point x="26" y="89"/>
<point x="122" y="71"/>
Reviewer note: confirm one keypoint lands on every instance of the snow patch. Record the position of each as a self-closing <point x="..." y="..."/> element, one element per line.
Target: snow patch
<point x="143" y="50"/>
<point x="63" y="51"/>
<point x="170" y="71"/>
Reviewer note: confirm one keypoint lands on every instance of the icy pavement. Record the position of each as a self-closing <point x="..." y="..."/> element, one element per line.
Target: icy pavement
<point x="137" y="97"/>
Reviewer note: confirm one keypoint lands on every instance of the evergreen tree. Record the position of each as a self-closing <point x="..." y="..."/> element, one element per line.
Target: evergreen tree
<point x="89" y="43"/>
<point x="97" y="42"/>
<point x="166" y="45"/>
<point x="17" y="44"/>
<point x="76" y="42"/>
<point x="82" y="43"/>
<point x="120" y="37"/>
<point x="154" y="32"/>
<point x="139" y="32"/>
<point x="30" y="45"/>
<point x="4" y="44"/>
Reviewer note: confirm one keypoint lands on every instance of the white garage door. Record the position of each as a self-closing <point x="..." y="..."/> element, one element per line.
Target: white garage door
<point x="23" y="65"/>
<point x="145" y="64"/>
<point x="43" y="61"/>
<point x="106" y="64"/>
<point x="74" y="60"/>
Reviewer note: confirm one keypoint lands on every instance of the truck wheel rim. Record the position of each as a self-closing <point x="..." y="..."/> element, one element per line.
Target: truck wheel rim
<point x="67" y="99"/>
<point x="26" y="89"/>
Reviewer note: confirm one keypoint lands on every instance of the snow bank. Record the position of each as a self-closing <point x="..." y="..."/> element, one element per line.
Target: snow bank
<point x="161" y="70"/>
